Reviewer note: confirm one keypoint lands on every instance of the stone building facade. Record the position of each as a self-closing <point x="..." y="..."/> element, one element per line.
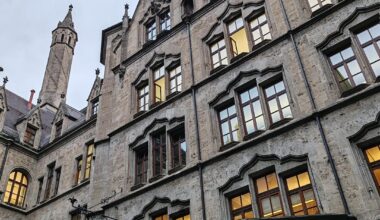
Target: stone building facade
<point x="219" y="109"/>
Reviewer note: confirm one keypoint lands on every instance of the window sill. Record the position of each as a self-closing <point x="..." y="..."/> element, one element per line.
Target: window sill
<point x="173" y="94"/>
<point x="279" y="123"/>
<point x="175" y="169"/>
<point x="321" y="9"/>
<point x="148" y="42"/>
<point x="238" y="57"/>
<point x="156" y="104"/>
<point x="217" y="69"/>
<point x="139" y="114"/>
<point x="228" y="146"/>
<point x="254" y="134"/>
<point x="137" y="186"/>
<point x="354" y="90"/>
<point x="153" y="179"/>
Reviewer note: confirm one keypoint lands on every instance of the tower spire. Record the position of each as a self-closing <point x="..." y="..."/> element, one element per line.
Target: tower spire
<point x="68" y="21"/>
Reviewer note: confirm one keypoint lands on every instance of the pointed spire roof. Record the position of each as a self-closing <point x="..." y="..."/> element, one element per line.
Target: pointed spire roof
<point x="68" y="21"/>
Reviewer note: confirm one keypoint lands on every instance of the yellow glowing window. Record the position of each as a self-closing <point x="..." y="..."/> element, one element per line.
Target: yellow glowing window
<point x="238" y="36"/>
<point x="373" y="158"/>
<point x="90" y="153"/>
<point x="159" y="85"/>
<point x="186" y="217"/>
<point x="162" y="217"/>
<point x="268" y="196"/>
<point x="241" y="206"/>
<point x="15" y="191"/>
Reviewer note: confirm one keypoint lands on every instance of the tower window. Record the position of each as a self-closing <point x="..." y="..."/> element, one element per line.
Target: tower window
<point x="268" y="196"/>
<point x="159" y="84"/>
<point x="15" y="191"/>
<point x="317" y="4"/>
<point x="219" y="54"/>
<point x="95" y="107"/>
<point x="58" y="129"/>
<point x="159" y="153"/>
<point x="300" y="195"/>
<point x="260" y="29"/>
<point x="372" y="155"/>
<point x="30" y="135"/>
<point x="346" y="69"/>
<point x="69" y="42"/>
<point x="238" y="36"/>
<point x="229" y="125"/>
<point x="277" y="102"/>
<point x="370" y="42"/>
<point x="241" y="206"/>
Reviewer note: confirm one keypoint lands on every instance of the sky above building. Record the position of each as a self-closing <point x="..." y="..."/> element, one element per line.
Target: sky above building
<point x="25" y="38"/>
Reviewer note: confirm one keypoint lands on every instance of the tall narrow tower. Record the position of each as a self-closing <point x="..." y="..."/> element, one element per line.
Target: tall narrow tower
<point x="58" y="68"/>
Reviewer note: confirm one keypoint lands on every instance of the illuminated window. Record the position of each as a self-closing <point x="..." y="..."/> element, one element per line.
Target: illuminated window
<point x="268" y="196"/>
<point x="370" y="42"/>
<point x="317" y="4"/>
<point x="241" y="207"/>
<point x="229" y="125"/>
<point x="151" y="31"/>
<point x="90" y="154"/>
<point x="141" y="166"/>
<point x="57" y="179"/>
<point x="238" y="36"/>
<point x="49" y="180"/>
<point x="178" y="148"/>
<point x="252" y="111"/>
<point x="346" y="69"/>
<point x="184" y="217"/>
<point x="260" y="29"/>
<point x="159" y="85"/>
<point x="159" y="153"/>
<point x="30" y="135"/>
<point x="15" y="191"/>
<point x="161" y="217"/>
<point x="175" y="78"/>
<point x="40" y="184"/>
<point x="58" y="129"/>
<point x="143" y="98"/>
<point x="278" y="103"/>
<point x="165" y="21"/>
<point x="301" y="196"/>
<point x="78" y="172"/>
<point x="373" y="158"/>
<point x="219" y="54"/>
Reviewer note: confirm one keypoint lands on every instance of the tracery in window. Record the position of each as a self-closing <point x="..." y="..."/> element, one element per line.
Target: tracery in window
<point x="268" y="196"/>
<point x="346" y="69"/>
<point x="370" y="42"/>
<point x="301" y="195"/>
<point x="16" y="189"/>
<point x="219" y="54"/>
<point x="241" y="206"/>
<point x="229" y="125"/>
<point x="277" y="102"/>
<point x="260" y="29"/>
<point x="372" y="155"/>
<point x="238" y="36"/>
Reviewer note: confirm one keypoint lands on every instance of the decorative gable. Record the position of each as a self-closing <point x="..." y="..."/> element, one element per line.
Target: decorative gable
<point x="35" y="119"/>
<point x="96" y="87"/>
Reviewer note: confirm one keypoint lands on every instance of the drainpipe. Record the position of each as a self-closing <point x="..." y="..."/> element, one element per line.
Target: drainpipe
<point x="317" y="117"/>
<point x="194" y="100"/>
<point x="7" y="145"/>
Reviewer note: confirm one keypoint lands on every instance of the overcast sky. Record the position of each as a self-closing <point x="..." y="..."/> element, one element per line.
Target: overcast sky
<point x="25" y="38"/>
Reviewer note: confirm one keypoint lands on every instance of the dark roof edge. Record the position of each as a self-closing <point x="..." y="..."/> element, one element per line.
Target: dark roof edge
<point x="105" y="32"/>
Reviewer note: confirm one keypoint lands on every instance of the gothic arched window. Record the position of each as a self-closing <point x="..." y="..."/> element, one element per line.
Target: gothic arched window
<point x="17" y="186"/>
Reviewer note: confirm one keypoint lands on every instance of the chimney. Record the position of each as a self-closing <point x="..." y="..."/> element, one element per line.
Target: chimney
<point x="31" y="99"/>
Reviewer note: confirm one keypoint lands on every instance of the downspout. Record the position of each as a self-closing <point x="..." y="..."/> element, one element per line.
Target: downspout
<point x="317" y="117"/>
<point x="4" y="159"/>
<point x="194" y="100"/>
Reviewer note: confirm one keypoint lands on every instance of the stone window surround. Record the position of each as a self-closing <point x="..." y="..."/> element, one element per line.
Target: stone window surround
<point x="220" y="30"/>
<point x="155" y="18"/>
<point x="282" y="171"/>
<point x="25" y="174"/>
<point x="346" y="40"/>
<point x="233" y="97"/>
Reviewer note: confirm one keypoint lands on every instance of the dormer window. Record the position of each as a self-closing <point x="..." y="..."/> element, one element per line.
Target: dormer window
<point x="159" y="85"/>
<point x="238" y="36"/>
<point x="95" y="107"/>
<point x="58" y="129"/>
<point x="30" y="135"/>
<point x="165" y="23"/>
<point x="151" y="31"/>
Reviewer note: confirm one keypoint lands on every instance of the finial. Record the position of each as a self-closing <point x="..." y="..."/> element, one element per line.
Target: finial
<point x="97" y="71"/>
<point x="71" y="7"/>
<point x="1" y="69"/>
<point x="5" y="80"/>
<point x="39" y="101"/>
<point x="63" y="95"/>
<point x="126" y="6"/>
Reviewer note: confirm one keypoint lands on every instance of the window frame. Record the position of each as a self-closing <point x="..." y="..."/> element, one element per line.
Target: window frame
<point x="158" y="68"/>
<point x="372" y="166"/>
<point x="322" y="6"/>
<point x="20" y="184"/>
<point x="255" y="15"/>
<point x="49" y="180"/>
<point x="178" y="132"/>
<point x="146" y="97"/>
<point x="148" y="25"/>
<point x="78" y="170"/>
<point x="40" y="186"/>
<point x="178" y="86"/>
<point x="144" y="160"/>
<point x="89" y="157"/>
<point x="58" y="173"/>
<point x="232" y="19"/>
<point x="162" y="17"/>
<point x="30" y="138"/>
<point x="218" y="51"/>
<point x="226" y="106"/>
<point x="242" y="210"/>
<point x="162" y="148"/>
<point x="95" y="107"/>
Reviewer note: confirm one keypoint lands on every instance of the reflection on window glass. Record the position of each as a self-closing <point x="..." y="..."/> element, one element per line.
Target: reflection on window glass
<point x="165" y="21"/>
<point x="252" y="111"/>
<point x="268" y="196"/>
<point x="347" y="70"/>
<point x="175" y="78"/>
<point x="370" y="42"/>
<point x="277" y="102"/>
<point x="151" y="30"/>
<point x="373" y="157"/>
<point x="219" y="54"/>
<point x="260" y="29"/>
<point x="229" y="125"/>
<point x="143" y="98"/>
<point x="238" y="37"/>
<point x="317" y="4"/>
